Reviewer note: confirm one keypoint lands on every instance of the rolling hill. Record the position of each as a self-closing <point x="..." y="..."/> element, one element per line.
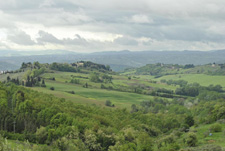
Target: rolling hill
<point x="87" y="106"/>
<point x="119" y="60"/>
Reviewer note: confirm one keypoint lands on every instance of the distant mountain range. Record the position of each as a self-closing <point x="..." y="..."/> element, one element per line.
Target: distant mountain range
<point x="118" y="60"/>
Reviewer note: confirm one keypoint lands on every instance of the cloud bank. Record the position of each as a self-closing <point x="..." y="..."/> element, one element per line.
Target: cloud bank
<point x="102" y="25"/>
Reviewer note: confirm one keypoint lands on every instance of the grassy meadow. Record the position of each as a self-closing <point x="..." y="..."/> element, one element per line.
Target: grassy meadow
<point x="95" y="95"/>
<point x="92" y="95"/>
<point x="202" y="79"/>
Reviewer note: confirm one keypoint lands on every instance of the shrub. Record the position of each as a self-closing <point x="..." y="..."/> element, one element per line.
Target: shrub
<point x="109" y="103"/>
<point x="216" y="128"/>
<point x="189" y="121"/>
<point x="52" y="88"/>
<point x="41" y="135"/>
<point x="191" y="139"/>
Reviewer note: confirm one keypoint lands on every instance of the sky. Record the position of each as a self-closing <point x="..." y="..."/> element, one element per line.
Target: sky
<point x="112" y="25"/>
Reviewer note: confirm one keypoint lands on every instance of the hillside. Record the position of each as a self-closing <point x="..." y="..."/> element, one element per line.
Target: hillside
<point x="161" y="69"/>
<point x="87" y="106"/>
<point x="8" y="66"/>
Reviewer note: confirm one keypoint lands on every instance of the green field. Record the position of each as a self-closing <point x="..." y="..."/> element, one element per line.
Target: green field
<point x="202" y="79"/>
<point x="93" y="96"/>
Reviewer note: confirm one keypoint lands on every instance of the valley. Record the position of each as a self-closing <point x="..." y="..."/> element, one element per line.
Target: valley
<point x="168" y="104"/>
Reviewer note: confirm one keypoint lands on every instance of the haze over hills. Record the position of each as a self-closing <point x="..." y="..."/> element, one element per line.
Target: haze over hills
<point x="118" y="60"/>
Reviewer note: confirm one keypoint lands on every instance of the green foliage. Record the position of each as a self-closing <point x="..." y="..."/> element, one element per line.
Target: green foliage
<point x="189" y="90"/>
<point x="42" y="135"/>
<point x="8" y="145"/>
<point x="134" y="108"/>
<point x="219" y="111"/>
<point x="75" y="81"/>
<point x="91" y="65"/>
<point x="85" y="85"/>
<point x="38" y="72"/>
<point x="62" y="67"/>
<point x="189" y="120"/>
<point x="106" y="78"/>
<point x="109" y="103"/>
<point x="26" y="65"/>
<point x="216" y="128"/>
<point x="45" y="119"/>
<point x="144" y="143"/>
<point x="187" y="66"/>
<point x="181" y="83"/>
<point x="191" y="139"/>
<point x="94" y="77"/>
<point x="160" y="69"/>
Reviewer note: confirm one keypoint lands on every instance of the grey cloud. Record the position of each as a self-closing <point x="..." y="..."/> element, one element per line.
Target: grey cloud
<point x="20" y="37"/>
<point x="6" y="20"/>
<point x="53" y="17"/>
<point x="190" y="34"/>
<point x="11" y="5"/>
<point x="125" y="41"/>
<point x="3" y="46"/>
<point x="78" y="40"/>
<point x="47" y="38"/>
<point x="140" y="18"/>
<point x="14" y="5"/>
<point x="172" y="8"/>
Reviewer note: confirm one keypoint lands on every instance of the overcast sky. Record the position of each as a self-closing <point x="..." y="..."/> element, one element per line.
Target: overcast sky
<point x="103" y="25"/>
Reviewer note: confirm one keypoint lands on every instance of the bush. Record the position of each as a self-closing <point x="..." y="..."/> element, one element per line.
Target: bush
<point x="191" y="139"/>
<point x="216" y="128"/>
<point x="41" y="135"/>
<point x="189" y="121"/>
<point x="109" y="103"/>
<point x="52" y="88"/>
